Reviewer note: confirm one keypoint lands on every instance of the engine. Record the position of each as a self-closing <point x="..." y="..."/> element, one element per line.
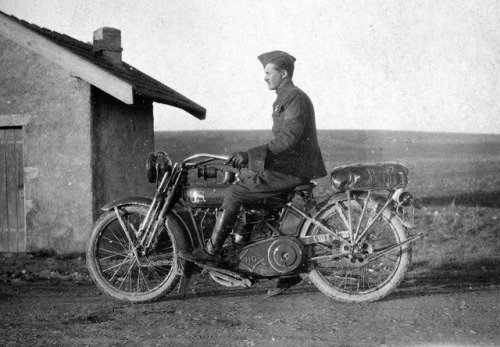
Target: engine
<point x="263" y="239"/>
<point x="270" y="257"/>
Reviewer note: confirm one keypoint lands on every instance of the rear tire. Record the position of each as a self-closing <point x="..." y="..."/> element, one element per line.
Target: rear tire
<point x="349" y="278"/>
<point x="123" y="274"/>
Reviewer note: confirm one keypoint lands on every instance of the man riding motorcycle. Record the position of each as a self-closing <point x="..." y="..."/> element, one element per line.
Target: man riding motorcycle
<point x="291" y="158"/>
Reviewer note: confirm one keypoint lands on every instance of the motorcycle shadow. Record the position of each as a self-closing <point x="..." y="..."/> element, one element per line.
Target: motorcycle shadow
<point x="204" y="287"/>
<point x="423" y="280"/>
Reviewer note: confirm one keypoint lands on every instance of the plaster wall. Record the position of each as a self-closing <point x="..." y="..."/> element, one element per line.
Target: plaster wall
<point x="54" y="109"/>
<point x="122" y="137"/>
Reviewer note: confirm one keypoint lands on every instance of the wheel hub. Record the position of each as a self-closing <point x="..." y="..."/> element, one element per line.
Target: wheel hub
<point x="357" y="254"/>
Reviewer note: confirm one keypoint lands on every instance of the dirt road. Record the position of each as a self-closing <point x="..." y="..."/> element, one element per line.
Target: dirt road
<point x="430" y="308"/>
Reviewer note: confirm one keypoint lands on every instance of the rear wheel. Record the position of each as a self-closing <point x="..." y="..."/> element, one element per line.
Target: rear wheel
<point x="359" y="276"/>
<point x="123" y="273"/>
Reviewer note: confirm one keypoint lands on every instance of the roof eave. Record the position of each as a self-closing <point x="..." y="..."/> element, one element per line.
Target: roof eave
<point x="191" y="108"/>
<point x="88" y="71"/>
<point x="77" y="66"/>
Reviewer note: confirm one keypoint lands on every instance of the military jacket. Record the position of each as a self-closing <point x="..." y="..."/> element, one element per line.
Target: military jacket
<point x="294" y="149"/>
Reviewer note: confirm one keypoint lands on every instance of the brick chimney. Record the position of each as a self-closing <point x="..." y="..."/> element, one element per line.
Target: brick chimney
<point x="107" y="44"/>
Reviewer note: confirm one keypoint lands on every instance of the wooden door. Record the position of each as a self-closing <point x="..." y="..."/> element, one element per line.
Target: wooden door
<point x="12" y="218"/>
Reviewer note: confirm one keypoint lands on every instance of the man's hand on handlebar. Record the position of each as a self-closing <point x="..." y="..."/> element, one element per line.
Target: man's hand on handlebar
<point x="238" y="160"/>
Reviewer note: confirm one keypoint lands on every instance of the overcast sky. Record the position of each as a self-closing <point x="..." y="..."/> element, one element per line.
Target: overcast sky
<point x="387" y="64"/>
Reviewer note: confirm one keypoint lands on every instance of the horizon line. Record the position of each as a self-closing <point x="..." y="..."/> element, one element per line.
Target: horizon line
<point x="343" y="130"/>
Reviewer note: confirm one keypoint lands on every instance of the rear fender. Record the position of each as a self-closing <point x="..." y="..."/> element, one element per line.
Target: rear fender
<point x="376" y="198"/>
<point x="317" y="210"/>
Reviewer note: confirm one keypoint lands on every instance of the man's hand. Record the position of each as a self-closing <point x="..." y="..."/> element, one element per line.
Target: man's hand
<point x="238" y="160"/>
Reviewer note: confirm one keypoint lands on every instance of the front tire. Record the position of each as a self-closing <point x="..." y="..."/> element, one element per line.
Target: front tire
<point x="121" y="272"/>
<point x="350" y="278"/>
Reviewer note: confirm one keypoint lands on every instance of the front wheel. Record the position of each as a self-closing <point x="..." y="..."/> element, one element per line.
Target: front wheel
<point x="122" y="272"/>
<point x="375" y="265"/>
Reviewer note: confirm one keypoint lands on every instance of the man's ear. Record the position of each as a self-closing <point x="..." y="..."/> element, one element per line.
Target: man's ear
<point x="284" y="74"/>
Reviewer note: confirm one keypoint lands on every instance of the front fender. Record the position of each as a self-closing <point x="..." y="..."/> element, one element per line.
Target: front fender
<point x="136" y="200"/>
<point x="192" y="240"/>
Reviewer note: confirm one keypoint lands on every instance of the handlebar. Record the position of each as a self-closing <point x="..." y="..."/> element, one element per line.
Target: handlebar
<point x="209" y="157"/>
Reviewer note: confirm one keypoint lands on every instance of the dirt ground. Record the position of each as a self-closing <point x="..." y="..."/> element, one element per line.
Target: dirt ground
<point x="452" y="307"/>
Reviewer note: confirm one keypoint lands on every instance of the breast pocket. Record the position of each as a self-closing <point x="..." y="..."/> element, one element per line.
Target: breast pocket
<point x="277" y="118"/>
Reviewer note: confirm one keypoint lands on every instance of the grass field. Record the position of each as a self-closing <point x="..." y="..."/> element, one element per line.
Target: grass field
<point x="457" y="176"/>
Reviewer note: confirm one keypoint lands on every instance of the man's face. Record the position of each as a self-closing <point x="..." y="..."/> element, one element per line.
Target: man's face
<point x="273" y="78"/>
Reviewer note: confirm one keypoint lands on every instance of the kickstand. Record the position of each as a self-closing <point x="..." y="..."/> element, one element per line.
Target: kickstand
<point x="185" y="278"/>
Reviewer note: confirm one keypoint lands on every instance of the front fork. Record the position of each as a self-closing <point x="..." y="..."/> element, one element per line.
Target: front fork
<point x="144" y="239"/>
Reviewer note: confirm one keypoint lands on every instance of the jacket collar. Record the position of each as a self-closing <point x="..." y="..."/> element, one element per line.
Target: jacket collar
<point x="286" y="85"/>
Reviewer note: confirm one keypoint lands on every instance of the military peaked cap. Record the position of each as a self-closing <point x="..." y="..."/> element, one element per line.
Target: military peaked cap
<point x="266" y="58"/>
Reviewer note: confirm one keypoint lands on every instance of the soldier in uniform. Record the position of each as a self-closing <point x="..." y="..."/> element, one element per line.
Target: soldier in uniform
<point x="291" y="158"/>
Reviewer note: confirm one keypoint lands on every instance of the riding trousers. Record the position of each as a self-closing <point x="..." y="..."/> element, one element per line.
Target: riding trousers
<point x="253" y="187"/>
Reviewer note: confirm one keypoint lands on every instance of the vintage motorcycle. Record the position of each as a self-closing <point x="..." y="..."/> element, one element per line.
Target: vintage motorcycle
<point x="354" y="246"/>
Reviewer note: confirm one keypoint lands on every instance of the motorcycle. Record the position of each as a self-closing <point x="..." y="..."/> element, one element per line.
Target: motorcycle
<point x="354" y="246"/>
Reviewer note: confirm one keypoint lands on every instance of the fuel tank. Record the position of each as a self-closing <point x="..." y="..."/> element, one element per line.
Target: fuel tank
<point x="205" y="195"/>
<point x="211" y="195"/>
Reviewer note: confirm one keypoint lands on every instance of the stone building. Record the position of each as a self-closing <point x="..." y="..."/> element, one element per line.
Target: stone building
<point x="76" y="125"/>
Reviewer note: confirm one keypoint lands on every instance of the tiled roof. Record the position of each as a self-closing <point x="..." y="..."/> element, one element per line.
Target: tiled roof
<point x="142" y="84"/>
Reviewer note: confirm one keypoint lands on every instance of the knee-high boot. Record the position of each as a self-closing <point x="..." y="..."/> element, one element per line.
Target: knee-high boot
<point x="224" y="224"/>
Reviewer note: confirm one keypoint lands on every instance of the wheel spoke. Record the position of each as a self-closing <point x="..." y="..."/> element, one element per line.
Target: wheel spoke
<point x="129" y="274"/>
<point x="143" y="279"/>
<point x="361" y="217"/>
<point x="118" y="269"/>
<point x="113" y="254"/>
<point x="342" y="216"/>
<point x="117" y="239"/>
<point x="349" y="217"/>
<point x="371" y="222"/>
